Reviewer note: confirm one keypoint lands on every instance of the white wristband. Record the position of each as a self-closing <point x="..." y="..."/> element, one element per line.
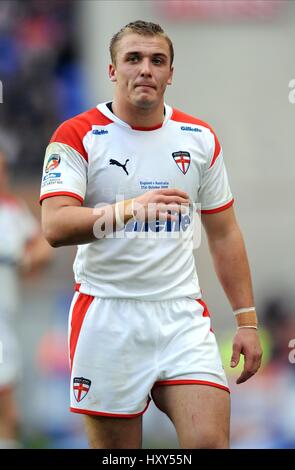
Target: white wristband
<point x="119" y="222"/>
<point x="244" y="310"/>
<point x="247" y="326"/>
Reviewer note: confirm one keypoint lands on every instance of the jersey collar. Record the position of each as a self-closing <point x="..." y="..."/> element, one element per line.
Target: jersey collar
<point x="103" y="108"/>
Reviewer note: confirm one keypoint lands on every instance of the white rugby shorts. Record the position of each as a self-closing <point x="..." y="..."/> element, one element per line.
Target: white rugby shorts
<point x="120" y="349"/>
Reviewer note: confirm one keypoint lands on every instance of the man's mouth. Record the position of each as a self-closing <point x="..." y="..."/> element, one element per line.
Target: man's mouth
<point x="144" y="85"/>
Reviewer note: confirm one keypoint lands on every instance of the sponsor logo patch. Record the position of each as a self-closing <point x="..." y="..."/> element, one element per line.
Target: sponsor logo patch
<point x="115" y="162"/>
<point x="52" y="176"/>
<point x="53" y="162"/>
<point x="190" y="129"/>
<point x="181" y="224"/>
<point x="99" y="132"/>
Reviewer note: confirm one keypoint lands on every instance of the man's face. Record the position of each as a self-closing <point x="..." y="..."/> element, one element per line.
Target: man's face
<point x="142" y="70"/>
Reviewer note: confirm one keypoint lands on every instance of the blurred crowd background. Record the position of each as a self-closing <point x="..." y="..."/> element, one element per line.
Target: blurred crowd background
<point x="234" y="61"/>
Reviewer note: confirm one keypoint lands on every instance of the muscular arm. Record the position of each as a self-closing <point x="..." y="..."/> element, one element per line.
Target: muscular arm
<point x="66" y="222"/>
<point x="231" y="264"/>
<point x="229" y="255"/>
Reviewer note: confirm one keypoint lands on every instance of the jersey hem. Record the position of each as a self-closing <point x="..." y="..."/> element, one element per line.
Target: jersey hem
<point x="78" y="287"/>
<point x="217" y="209"/>
<point x="61" y="193"/>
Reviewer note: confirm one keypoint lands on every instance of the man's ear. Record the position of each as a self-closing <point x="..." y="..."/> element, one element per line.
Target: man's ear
<point x="169" y="81"/>
<point x="112" y="73"/>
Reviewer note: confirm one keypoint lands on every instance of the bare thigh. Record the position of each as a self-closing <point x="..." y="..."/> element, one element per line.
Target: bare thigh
<point x="200" y="414"/>
<point x="113" y="433"/>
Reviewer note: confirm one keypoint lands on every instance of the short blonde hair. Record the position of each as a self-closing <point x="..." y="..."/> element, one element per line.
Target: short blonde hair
<point x="143" y="28"/>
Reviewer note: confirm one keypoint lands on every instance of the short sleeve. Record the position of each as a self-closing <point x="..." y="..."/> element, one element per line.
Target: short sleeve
<point x="65" y="167"/>
<point x="214" y="193"/>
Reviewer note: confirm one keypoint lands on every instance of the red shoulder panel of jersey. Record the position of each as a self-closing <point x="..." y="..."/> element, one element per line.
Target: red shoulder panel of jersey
<point x="183" y="117"/>
<point x="72" y="131"/>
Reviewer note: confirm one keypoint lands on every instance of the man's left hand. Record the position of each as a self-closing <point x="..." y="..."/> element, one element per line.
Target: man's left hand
<point x="246" y="342"/>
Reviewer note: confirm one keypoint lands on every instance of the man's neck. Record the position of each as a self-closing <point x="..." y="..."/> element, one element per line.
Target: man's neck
<point x="139" y="117"/>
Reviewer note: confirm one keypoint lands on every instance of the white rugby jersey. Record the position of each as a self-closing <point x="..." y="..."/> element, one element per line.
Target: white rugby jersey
<point x="17" y="228"/>
<point x="96" y="158"/>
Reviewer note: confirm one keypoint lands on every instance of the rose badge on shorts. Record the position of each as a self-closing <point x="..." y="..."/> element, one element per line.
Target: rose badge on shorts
<point x="81" y="387"/>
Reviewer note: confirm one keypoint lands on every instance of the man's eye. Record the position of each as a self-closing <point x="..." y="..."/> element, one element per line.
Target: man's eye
<point x="133" y="58"/>
<point x="157" y="60"/>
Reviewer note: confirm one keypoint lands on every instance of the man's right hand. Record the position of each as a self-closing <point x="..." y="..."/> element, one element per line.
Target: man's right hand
<point x="162" y="204"/>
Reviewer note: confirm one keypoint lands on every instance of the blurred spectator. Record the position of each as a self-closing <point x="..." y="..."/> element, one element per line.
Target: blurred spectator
<point x="279" y="320"/>
<point x="263" y="410"/>
<point x="22" y="250"/>
<point x="39" y="68"/>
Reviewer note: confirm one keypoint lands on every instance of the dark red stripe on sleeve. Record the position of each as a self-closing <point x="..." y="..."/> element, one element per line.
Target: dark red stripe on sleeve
<point x="218" y="209"/>
<point x="61" y="193"/>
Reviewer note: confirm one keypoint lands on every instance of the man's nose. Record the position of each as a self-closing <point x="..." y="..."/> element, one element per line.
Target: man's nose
<point x="146" y="68"/>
